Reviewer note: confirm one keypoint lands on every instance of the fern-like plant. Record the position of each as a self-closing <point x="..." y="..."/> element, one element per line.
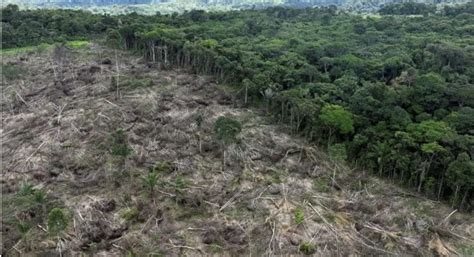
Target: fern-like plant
<point x="26" y="189"/>
<point x="149" y="182"/>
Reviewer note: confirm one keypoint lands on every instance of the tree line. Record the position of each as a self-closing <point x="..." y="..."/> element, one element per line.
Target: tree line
<point x="395" y="94"/>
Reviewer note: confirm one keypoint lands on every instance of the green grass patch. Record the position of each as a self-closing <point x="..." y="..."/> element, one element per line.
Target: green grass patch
<point x="299" y="216"/>
<point x="17" y="50"/>
<point x="41" y="48"/>
<point x="77" y="43"/>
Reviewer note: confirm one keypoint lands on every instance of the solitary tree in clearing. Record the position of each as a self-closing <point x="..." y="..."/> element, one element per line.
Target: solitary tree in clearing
<point x="226" y="130"/>
<point x="57" y="221"/>
<point x="199" y="119"/>
<point x="114" y="40"/>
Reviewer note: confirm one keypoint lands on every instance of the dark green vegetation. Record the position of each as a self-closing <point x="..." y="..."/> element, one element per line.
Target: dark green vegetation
<point x="397" y="92"/>
<point x="33" y="27"/>
<point x="27" y="208"/>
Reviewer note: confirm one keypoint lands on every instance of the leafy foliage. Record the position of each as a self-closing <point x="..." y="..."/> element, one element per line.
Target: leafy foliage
<point x="227" y="129"/>
<point x="57" y="221"/>
<point x="119" y="145"/>
<point x="131" y="214"/>
<point x="396" y="90"/>
<point x="150" y="181"/>
<point x="307" y="248"/>
<point x="299" y="216"/>
<point x="26" y="189"/>
<point x="336" y="117"/>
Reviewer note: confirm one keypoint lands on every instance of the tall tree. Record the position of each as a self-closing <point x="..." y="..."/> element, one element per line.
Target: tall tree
<point x="226" y="130"/>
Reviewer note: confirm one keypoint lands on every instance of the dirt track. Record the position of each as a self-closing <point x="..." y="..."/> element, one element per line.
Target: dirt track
<point x="58" y="118"/>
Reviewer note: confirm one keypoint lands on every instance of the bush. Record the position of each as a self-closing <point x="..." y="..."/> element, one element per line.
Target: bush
<point x="299" y="216"/>
<point x="227" y="129"/>
<point x="57" y="221"/>
<point x="119" y="146"/>
<point x="307" y="248"/>
<point x="130" y="214"/>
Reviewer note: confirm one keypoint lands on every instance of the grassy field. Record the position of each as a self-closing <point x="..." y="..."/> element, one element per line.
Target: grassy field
<point x="40" y="48"/>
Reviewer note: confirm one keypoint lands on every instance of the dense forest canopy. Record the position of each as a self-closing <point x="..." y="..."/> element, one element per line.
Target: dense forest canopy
<point x="394" y="94"/>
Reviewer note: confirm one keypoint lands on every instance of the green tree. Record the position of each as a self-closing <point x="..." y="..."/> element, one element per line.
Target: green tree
<point x="429" y="135"/>
<point x="335" y="117"/>
<point x="114" y="40"/>
<point x="226" y="130"/>
<point x="461" y="177"/>
<point x="428" y="92"/>
<point x="199" y="119"/>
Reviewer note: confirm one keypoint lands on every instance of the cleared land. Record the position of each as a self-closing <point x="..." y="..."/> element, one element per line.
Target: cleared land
<point x="275" y="195"/>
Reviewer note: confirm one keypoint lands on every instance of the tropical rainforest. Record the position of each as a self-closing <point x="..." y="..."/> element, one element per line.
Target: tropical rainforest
<point x="393" y="94"/>
<point x="260" y="132"/>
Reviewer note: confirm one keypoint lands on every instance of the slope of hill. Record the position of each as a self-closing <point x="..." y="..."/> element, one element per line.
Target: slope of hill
<point x="72" y="140"/>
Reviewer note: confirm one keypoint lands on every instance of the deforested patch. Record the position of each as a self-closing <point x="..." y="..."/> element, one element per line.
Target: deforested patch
<point x="139" y="170"/>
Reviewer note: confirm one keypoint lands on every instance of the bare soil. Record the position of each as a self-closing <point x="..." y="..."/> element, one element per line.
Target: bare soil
<point x="275" y="196"/>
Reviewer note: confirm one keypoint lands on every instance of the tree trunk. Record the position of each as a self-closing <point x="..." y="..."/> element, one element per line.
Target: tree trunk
<point x="291" y="119"/>
<point x="59" y="246"/>
<point x="440" y="189"/>
<point x="267" y="108"/>
<point x="455" y="196"/>
<point x="380" y="166"/>
<point x="223" y="160"/>
<point x="402" y="175"/>
<point x="422" y="177"/>
<point x="329" y="139"/>
<point x="423" y="172"/>
<point x="246" y="94"/>
<point x="153" y="54"/>
<point x="463" y="199"/>
<point x="298" y="122"/>
<point x="282" y="111"/>
<point x="117" y="81"/>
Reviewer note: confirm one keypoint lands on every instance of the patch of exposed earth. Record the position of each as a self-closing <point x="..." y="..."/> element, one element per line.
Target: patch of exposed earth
<point x="275" y="196"/>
